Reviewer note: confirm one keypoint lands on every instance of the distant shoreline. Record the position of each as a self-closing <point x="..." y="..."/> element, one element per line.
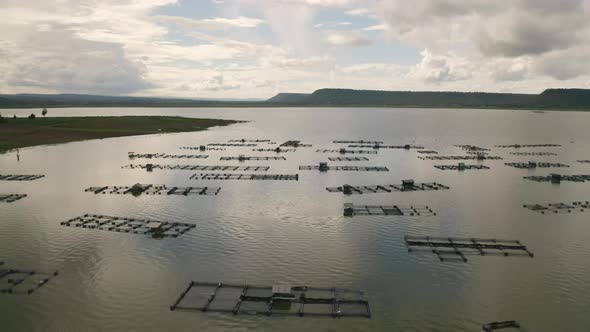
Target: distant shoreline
<point x="23" y="132"/>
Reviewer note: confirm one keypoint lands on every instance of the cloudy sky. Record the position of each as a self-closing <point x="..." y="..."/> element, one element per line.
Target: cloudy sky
<point x="256" y="48"/>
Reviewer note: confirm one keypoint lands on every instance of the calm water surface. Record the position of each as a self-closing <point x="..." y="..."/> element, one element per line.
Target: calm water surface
<point x="272" y="232"/>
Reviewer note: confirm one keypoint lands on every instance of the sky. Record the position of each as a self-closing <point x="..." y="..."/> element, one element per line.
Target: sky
<point x="253" y="49"/>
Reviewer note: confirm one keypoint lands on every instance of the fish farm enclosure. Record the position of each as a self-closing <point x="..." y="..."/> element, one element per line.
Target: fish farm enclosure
<point x="302" y="219"/>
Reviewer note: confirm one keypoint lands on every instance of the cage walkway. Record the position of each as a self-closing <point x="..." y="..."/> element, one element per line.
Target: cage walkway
<point x="272" y="300"/>
<point x="239" y="176"/>
<point x="406" y="185"/>
<point x="149" y="167"/>
<point x="518" y="146"/>
<point x="133" y="155"/>
<point x="582" y="206"/>
<point x="460" y="167"/>
<point x="9" y="198"/>
<point x="477" y="157"/>
<point x="150" y="189"/>
<point x="348" y="159"/>
<point x="358" y="142"/>
<point x="533" y="153"/>
<point x="15" y="281"/>
<point x="351" y="210"/>
<point x="557" y="178"/>
<point x="509" y="324"/>
<point x="244" y="158"/>
<point x="201" y="148"/>
<point x="456" y="249"/>
<point x="344" y="151"/>
<point x="295" y="144"/>
<point x="427" y="152"/>
<point x="534" y="164"/>
<point x="232" y="144"/>
<point x="344" y="168"/>
<point x="379" y="146"/>
<point x="7" y="177"/>
<point x="472" y="148"/>
<point x="154" y="228"/>
<point x="243" y="140"/>
<point x="276" y="150"/>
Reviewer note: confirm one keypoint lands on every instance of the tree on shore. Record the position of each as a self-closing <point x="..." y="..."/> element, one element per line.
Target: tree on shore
<point x="32" y="116"/>
<point x="44" y="112"/>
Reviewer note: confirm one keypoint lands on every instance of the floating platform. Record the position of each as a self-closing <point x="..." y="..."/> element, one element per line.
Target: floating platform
<point x="133" y="155"/>
<point x="509" y="324"/>
<point x="351" y="210"/>
<point x="583" y="161"/>
<point x="406" y="185"/>
<point x="154" y="228"/>
<point x="344" y="151"/>
<point x="20" y="177"/>
<point x="348" y="159"/>
<point x="323" y="167"/>
<point x="460" y="167"/>
<point x="456" y="249"/>
<point x="232" y="144"/>
<point x="427" y="152"/>
<point x="272" y="300"/>
<point x="239" y="176"/>
<point x="557" y="178"/>
<point x="582" y="206"/>
<point x="358" y="142"/>
<point x="295" y="144"/>
<point x="518" y="146"/>
<point x="277" y="150"/>
<point x="14" y="281"/>
<point x="150" y="189"/>
<point x="244" y="158"/>
<point x="379" y="146"/>
<point x="533" y="153"/>
<point x="477" y="157"/>
<point x="9" y="198"/>
<point x="534" y="164"/>
<point x="243" y="140"/>
<point x="150" y="167"/>
<point x="201" y="148"/>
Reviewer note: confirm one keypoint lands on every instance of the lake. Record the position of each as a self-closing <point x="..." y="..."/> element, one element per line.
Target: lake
<point x="294" y="232"/>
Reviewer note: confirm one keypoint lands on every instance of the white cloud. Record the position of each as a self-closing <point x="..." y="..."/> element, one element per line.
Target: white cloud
<point x="213" y="23"/>
<point x="347" y="38"/>
<point x="378" y="27"/>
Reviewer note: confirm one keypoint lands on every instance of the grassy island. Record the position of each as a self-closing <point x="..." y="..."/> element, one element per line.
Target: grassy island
<point x="23" y="132"/>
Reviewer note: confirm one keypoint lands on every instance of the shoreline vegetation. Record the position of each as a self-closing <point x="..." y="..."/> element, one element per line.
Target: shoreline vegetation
<point x="550" y="99"/>
<point x="25" y="132"/>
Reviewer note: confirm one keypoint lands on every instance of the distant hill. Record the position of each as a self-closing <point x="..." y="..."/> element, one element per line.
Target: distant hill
<point x="568" y="99"/>
<point x="289" y="98"/>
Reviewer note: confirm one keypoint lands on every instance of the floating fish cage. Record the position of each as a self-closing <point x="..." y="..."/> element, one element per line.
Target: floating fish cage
<point x="427" y="152"/>
<point x="150" y="167"/>
<point x="232" y="144"/>
<point x="344" y="151"/>
<point x="471" y="148"/>
<point x="477" y="157"/>
<point x="557" y="178"/>
<point x="243" y="140"/>
<point x="583" y="161"/>
<point x="277" y="150"/>
<point x="14" y="281"/>
<point x="406" y="185"/>
<point x="154" y="228"/>
<point x="456" y="249"/>
<point x="351" y="210"/>
<point x="379" y="146"/>
<point x="272" y="300"/>
<point x="201" y="148"/>
<point x="460" y="167"/>
<point x="358" y="142"/>
<point x="9" y="198"/>
<point x="244" y="158"/>
<point x="582" y="206"/>
<point x="133" y="155"/>
<point x="20" y="177"/>
<point x="348" y="159"/>
<point x="323" y="167"/>
<point x="295" y="144"/>
<point x="533" y="153"/>
<point x="234" y="176"/>
<point x="518" y="146"/>
<point x="150" y="189"/>
<point x="534" y="164"/>
<point x="493" y="326"/>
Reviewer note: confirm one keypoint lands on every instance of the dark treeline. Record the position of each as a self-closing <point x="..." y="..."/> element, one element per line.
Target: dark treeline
<point x="575" y="99"/>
